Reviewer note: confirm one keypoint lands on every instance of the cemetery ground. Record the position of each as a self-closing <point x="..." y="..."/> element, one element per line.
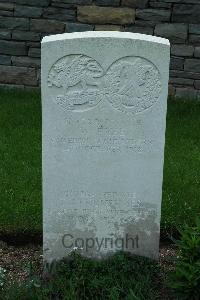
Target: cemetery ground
<point x="121" y="277"/>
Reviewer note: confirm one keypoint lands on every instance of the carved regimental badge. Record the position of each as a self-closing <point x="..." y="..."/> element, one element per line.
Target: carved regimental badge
<point x="131" y="84"/>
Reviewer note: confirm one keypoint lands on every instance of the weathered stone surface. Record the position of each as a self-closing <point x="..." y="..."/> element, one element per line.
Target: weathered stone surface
<point x="39" y="76"/>
<point x="12" y="86"/>
<point x="32" y="88"/>
<point x="197" y="84"/>
<point x="197" y="52"/>
<point x="109" y="157"/>
<point x="176" y="63"/>
<point x="139" y="29"/>
<point x="63" y="5"/>
<point x="156" y="4"/>
<point x="13" y="48"/>
<point x="192" y="64"/>
<point x="171" y="90"/>
<point x="135" y="3"/>
<point x="184" y="74"/>
<point x="144" y="23"/>
<point x="153" y="14"/>
<point x="18" y="75"/>
<point x="176" y="33"/>
<point x="194" y="28"/>
<point x="60" y="14"/>
<point x="49" y="26"/>
<point x="74" y="1"/>
<point x="103" y="15"/>
<point x="6" y="13"/>
<point x="33" y="44"/>
<point x="27" y="11"/>
<point x="5" y="60"/>
<point x="194" y="39"/>
<point x="108" y="28"/>
<point x="69" y="4"/>
<point x="25" y="61"/>
<point x="25" y="36"/>
<point x="7" y="6"/>
<point x="186" y="13"/>
<point x="107" y="2"/>
<point x="5" y="34"/>
<point x="29" y="2"/>
<point x="182" y="50"/>
<point x="181" y="1"/>
<point x="14" y="23"/>
<point x="181" y="81"/>
<point x="42" y="3"/>
<point x="34" y="52"/>
<point x="186" y="93"/>
<point x="78" y="27"/>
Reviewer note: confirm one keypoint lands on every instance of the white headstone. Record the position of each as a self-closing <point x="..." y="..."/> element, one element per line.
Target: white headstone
<point x="104" y="99"/>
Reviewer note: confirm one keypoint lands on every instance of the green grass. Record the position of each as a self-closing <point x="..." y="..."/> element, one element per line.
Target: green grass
<point x="20" y="157"/>
<point x="20" y="167"/>
<point x="119" y="277"/>
<point x="181" y="186"/>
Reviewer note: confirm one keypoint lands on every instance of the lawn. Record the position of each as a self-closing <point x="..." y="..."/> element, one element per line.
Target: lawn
<point x="119" y="277"/>
<point x="181" y="186"/>
<point x="20" y="168"/>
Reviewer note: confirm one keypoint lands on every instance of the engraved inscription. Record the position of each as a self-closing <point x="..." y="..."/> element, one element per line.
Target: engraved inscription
<point x="103" y="135"/>
<point x="119" y="205"/>
<point x="130" y="84"/>
<point x="110" y="144"/>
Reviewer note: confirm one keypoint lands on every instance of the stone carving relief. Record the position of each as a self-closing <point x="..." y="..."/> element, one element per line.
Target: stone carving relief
<point x="131" y="84"/>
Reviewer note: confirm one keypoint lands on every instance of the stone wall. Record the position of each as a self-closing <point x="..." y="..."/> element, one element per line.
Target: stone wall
<point x="24" y="22"/>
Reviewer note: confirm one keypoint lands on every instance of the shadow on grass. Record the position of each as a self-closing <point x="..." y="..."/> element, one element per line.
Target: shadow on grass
<point x="119" y="277"/>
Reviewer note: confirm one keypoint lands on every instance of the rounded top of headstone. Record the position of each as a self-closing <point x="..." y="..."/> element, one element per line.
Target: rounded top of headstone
<point x="106" y="34"/>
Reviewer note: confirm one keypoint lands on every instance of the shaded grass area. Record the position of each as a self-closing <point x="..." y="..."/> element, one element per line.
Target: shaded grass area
<point x="181" y="186"/>
<point x="20" y="164"/>
<point x="119" y="277"/>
